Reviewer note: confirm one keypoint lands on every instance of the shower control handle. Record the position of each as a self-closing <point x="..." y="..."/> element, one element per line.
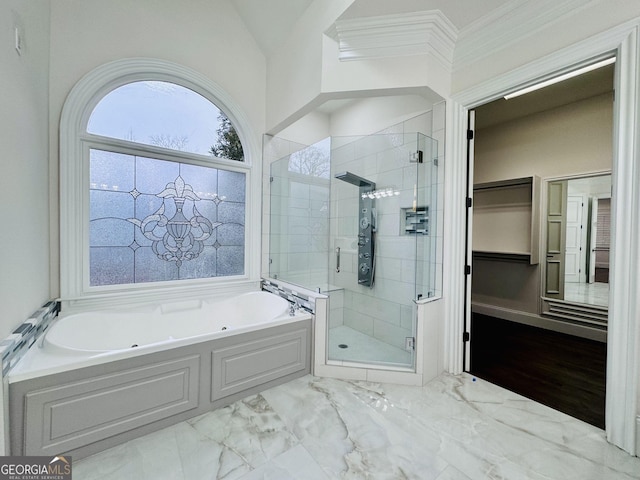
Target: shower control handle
<point x="337" y="259"/>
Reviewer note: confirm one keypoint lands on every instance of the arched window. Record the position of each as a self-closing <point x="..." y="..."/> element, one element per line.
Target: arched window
<point x="165" y="115"/>
<point x="154" y="186"/>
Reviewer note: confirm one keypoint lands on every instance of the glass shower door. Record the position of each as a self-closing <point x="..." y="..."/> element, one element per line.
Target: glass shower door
<point x="354" y="218"/>
<point x="428" y="237"/>
<point x="299" y="217"/>
<point x="375" y="220"/>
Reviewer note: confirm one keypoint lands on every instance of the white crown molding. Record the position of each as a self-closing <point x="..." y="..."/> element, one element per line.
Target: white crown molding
<point x="509" y="23"/>
<point x="559" y="62"/>
<point x="416" y="33"/>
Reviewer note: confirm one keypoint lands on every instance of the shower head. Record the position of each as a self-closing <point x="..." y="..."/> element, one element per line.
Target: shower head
<point x="355" y="180"/>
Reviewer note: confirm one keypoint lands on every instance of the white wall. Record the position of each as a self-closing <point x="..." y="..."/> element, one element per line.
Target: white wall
<point x="295" y="71"/>
<point x="568" y="140"/>
<point x="24" y="140"/>
<point x="310" y="129"/>
<point x="362" y="116"/>
<point x="375" y="114"/>
<point x="206" y="36"/>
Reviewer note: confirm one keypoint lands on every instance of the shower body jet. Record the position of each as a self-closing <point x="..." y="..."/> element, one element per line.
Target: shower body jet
<point x="366" y="227"/>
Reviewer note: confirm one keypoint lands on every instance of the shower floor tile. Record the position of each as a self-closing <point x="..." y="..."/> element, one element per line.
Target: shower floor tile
<point x="362" y="348"/>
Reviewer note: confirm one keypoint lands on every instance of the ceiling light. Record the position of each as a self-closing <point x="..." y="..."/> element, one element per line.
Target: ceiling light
<point x="561" y="78"/>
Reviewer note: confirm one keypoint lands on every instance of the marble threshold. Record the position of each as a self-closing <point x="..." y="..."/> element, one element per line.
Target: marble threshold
<point x="453" y="428"/>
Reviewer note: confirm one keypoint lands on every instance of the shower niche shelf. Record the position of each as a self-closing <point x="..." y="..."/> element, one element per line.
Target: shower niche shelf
<point x="415" y="221"/>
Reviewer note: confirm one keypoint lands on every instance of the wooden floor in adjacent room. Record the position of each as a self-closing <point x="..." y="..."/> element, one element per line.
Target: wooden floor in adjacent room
<point x="562" y="371"/>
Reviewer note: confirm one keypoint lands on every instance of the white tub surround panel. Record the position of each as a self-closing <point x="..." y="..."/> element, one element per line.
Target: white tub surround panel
<point x="83" y="411"/>
<point x="77" y="392"/>
<point x="12" y="349"/>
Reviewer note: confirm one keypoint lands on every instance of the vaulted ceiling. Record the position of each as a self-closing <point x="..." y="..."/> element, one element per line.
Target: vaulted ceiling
<point x="271" y="21"/>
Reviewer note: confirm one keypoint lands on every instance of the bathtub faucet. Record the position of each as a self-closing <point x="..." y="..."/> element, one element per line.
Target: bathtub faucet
<point x="293" y="308"/>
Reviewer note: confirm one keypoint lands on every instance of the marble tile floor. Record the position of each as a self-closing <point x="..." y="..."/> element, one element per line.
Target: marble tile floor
<point x="454" y="428"/>
<point x="591" y="293"/>
<point x="364" y="348"/>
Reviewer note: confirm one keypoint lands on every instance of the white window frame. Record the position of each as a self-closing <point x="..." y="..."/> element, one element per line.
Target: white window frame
<point x="75" y="142"/>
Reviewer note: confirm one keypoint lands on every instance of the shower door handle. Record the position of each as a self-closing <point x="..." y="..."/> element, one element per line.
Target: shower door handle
<point x="337" y="259"/>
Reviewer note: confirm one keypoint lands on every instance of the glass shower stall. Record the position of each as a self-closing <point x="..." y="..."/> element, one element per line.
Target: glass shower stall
<point x="355" y="218"/>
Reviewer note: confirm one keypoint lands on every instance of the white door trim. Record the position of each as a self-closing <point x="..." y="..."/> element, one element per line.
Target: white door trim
<point x="622" y="418"/>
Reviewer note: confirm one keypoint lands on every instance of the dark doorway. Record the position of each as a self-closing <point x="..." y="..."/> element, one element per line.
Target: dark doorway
<point x="517" y="341"/>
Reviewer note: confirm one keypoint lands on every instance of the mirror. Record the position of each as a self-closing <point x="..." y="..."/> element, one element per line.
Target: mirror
<point x="588" y="240"/>
<point x="578" y="240"/>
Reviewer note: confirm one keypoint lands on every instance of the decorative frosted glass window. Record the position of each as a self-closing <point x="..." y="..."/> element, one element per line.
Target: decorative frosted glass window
<point x="157" y="217"/>
<point x="155" y="188"/>
<point x="154" y="220"/>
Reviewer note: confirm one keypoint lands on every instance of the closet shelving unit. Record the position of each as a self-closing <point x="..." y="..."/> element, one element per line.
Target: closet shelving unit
<point x="506" y="220"/>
